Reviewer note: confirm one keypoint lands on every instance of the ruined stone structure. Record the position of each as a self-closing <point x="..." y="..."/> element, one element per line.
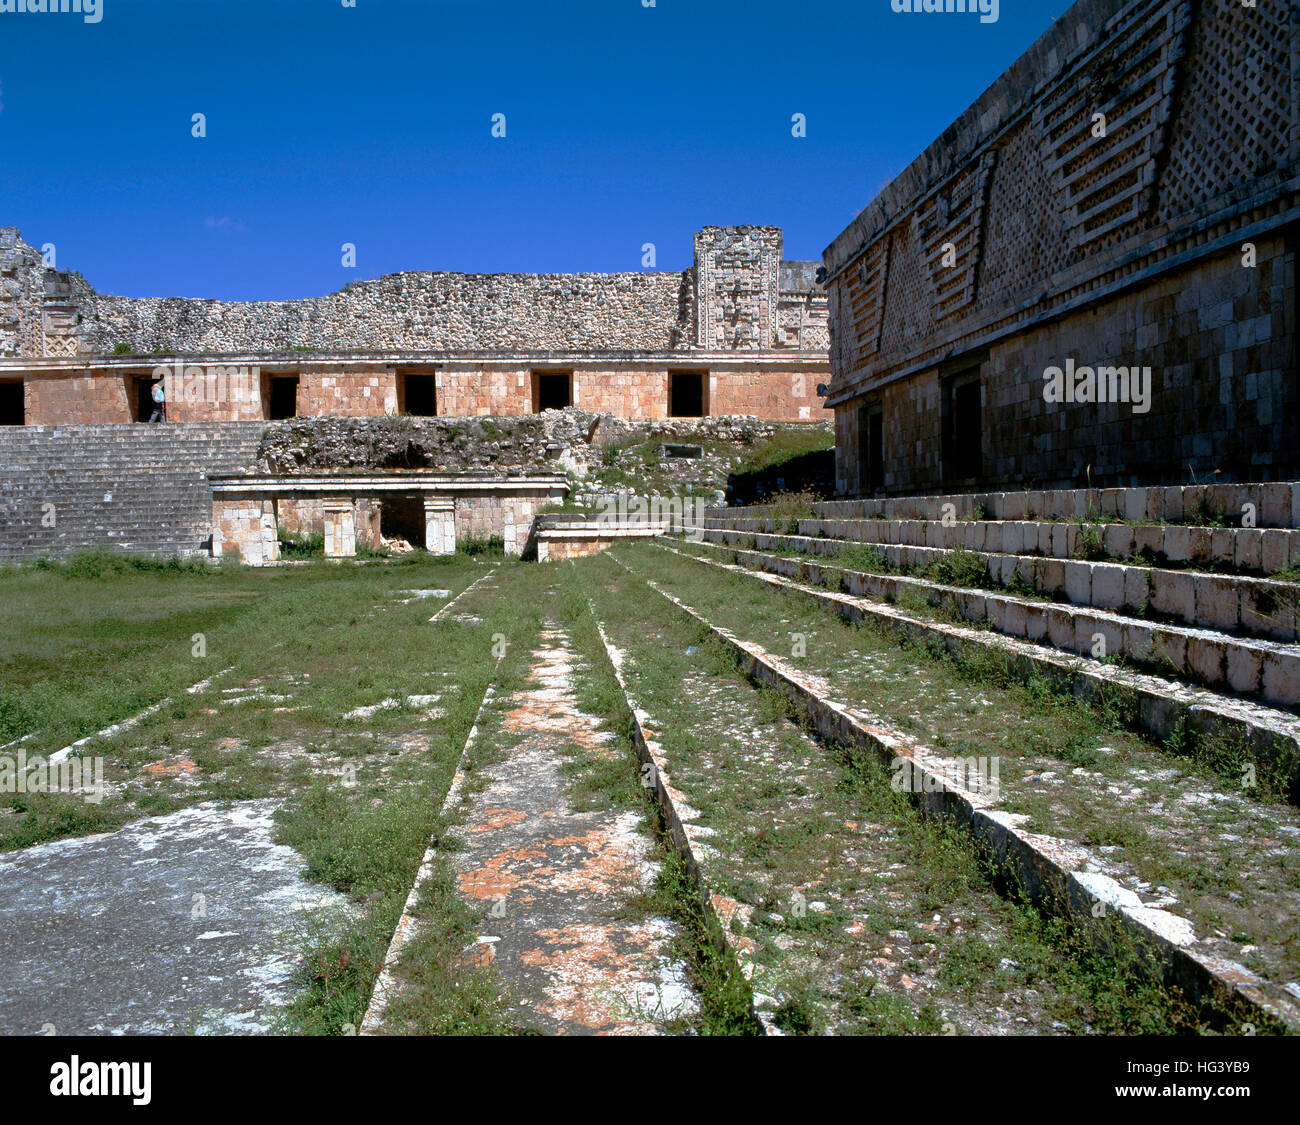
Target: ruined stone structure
<point x="741" y="332"/>
<point x="1114" y="219"/>
<point x="248" y="509"/>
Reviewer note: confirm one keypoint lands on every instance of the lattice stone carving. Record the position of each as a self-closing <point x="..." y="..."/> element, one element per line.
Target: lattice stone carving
<point x="1237" y="114"/>
<point x="950" y="226"/>
<point x="59" y="345"/>
<point x="864" y="300"/>
<point x="909" y="297"/>
<point x="1104" y="185"/>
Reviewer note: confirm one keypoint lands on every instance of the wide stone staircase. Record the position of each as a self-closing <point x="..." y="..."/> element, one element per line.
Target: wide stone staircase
<point x="136" y="488"/>
<point x="1185" y="598"/>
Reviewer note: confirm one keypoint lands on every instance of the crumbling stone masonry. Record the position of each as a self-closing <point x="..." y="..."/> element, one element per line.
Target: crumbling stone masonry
<point x="740" y="332"/>
<point x="248" y="508"/>
<point x="1124" y="198"/>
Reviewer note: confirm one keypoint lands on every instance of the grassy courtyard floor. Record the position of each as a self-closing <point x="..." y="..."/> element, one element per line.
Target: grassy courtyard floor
<point x="328" y="690"/>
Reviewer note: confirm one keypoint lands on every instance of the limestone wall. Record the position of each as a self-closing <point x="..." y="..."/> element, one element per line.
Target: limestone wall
<point x="1124" y="195"/>
<point x="751" y="299"/>
<point x="410" y="311"/>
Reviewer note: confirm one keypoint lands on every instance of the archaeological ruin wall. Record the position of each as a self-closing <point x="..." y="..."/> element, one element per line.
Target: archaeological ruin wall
<point x="742" y="331"/>
<point x="1123" y="198"/>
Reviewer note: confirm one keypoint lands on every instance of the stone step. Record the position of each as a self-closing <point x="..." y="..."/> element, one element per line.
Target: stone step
<point x="1158" y="704"/>
<point x="1044" y="852"/>
<point x="1268" y="670"/>
<point x="1275" y="505"/>
<point x="138" y="488"/>
<point x="1226" y="602"/>
<point x="1248" y="550"/>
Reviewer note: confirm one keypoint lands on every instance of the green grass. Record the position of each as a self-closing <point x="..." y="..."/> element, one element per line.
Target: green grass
<point x="980" y="705"/>
<point x="783" y="446"/>
<point x="1085" y="985"/>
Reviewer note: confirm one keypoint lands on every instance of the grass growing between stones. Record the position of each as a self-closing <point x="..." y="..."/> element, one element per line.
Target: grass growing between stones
<point x="340" y="699"/>
<point x="279" y="648"/>
<point x="1224" y="755"/>
<point x="366" y="838"/>
<point x="1073" y="770"/>
<point x="862" y="917"/>
<point x="726" y="1005"/>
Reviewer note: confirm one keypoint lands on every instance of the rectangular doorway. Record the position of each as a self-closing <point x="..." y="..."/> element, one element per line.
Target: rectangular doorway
<point x="418" y="395"/>
<point x="282" y="401"/>
<point x="686" y="394"/>
<point x="12" y="410"/>
<point x="871" y="449"/>
<point x="963" y="426"/>
<point x="552" y="390"/>
<point x="142" y="403"/>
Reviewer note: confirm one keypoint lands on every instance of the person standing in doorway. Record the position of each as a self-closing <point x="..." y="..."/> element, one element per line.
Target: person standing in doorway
<point x="159" y="403"/>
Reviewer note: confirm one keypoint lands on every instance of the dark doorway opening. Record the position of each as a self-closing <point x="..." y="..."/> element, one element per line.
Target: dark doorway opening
<point x="283" y="400"/>
<point x="552" y="391"/>
<point x="871" y="449"/>
<point x="142" y="403"/>
<point x="12" y="410"/>
<point x="686" y="395"/>
<point x="402" y="516"/>
<point x="963" y="426"/>
<point x="419" y="395"/>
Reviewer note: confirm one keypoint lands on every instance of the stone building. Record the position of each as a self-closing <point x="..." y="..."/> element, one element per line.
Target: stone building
<point x="740" y="332"/>
<point x="1091" y="273"/>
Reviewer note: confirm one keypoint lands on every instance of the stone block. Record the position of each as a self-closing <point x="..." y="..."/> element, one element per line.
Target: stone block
<point x="1138" y="645"/>
<point x="1060" y="627"/>
<point x="1206" y="659"/>
<point x="1107" y="586"/>
<point x="1281" y="677"/>
<point x="1249" y="549"/>
<point x="1198" y="544"/>
<point x="1050" y="575"/>
<point x="1173" y="503"/>
<point x="1244" y="669"/>
<point x="1118" y="539"/>
<point x="1148" y="539"/>
<point x="1078" y="582"/>
<point x="1137" y="589"/>
<point x="1174" y="594"/>
<point x="1178" y="544"/>
<point x="1011" y="538"/>
<point x="1218" y="602"/>
<point x="1275" y="550"/>
<point x="1168" y="649"/>
<point x="1095" y="636"/>
<point x="1275" y="504"/>
<point x="1016" y="619"/>
<point x="1135" y="504"/>
<point x="1035" y="621"/>
<point x="1268" y="612"/>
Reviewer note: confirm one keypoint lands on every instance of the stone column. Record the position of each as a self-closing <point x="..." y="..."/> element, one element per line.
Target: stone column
<point x="439" y="524"/>
<point x="270" y="533"/>
<point x="340" y="529"/>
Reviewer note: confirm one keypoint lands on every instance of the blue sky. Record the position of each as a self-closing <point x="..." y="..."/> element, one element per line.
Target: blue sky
<point x="372" y="125"/>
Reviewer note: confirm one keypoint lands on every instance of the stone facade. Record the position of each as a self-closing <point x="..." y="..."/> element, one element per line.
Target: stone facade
<point x="751" y="327"/>
<point x="1123" y="197"/>
<point x="348" y="510"/>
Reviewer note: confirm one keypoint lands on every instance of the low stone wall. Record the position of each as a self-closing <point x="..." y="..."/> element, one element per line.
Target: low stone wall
<point x="564" y="536"/>
<point x="458" y="507"/>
